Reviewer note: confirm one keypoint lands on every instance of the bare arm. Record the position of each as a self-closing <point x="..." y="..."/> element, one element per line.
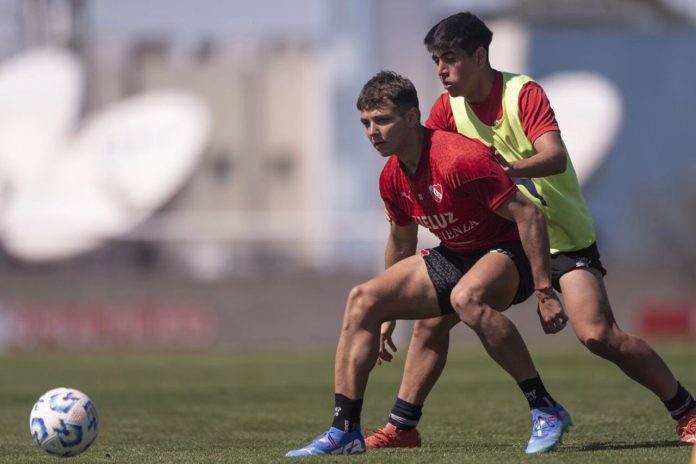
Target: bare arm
<point x="535" y="241"/>
<point x="550" y="159"/>
<point x="401" y="244"/>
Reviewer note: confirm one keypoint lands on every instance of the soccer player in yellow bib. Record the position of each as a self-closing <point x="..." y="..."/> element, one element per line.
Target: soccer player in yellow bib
<point x="512" y="113"/>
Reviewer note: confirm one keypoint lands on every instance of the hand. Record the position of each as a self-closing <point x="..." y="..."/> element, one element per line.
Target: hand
<point x="508" y="166"/>
<point x="551" y="313"/>
<point x="385" y="339"/>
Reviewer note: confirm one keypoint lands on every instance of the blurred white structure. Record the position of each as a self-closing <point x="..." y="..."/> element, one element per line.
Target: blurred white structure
<point x="122" y="165"/>
<point x="286" y="177"/>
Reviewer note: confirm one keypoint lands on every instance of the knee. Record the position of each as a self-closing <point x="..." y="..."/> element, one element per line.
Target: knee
<point x="467" y="302"/>
<point x="601" y="341"/>
<point x="360" y="305"/>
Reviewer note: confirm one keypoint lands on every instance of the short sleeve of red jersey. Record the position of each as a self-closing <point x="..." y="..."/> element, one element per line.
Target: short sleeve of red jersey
<point x="441" y="116"/>
<point x="491" y="191"/>
<point x="536" y="113"/>
<point x="483" y="179"/>
<point x="390" y="195"/>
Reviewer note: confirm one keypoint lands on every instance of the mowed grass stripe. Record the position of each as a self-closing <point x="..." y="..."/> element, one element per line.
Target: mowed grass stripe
<point x="252" y="406"/>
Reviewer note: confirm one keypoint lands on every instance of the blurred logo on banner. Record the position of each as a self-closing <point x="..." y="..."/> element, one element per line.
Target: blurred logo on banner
<point x="667" y="319"/>
<point x="126" y="324"/>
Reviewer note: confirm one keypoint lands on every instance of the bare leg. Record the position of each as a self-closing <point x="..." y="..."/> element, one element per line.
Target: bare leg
<point x="404" y="291"/>
<point x="426" y="358"/>
<point x="478" y="298"/>
<point x="427" y="352"/>
<point x="589" y="311"/>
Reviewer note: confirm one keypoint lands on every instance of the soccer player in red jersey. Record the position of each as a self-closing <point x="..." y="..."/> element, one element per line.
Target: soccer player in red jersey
<point x="493" y="253"/>
<point x="512" y="114"/>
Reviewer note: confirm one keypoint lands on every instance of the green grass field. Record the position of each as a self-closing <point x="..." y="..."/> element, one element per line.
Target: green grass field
<point x="253" y="406"/>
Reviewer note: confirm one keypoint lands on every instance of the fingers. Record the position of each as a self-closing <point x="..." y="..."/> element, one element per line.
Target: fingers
<point x="384" y="354"/>
<point x="503" y="162"/>
<point x="556" y="324"/>
<point x="552" y="320"/>
<point x="391" y="344"/>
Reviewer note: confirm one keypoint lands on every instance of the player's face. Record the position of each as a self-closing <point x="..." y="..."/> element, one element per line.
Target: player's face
<point x="459" y="71"/>
<point x="387" y="127"/>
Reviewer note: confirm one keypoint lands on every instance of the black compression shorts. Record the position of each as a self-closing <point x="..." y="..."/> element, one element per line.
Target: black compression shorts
<point x="447" y="267"/>
<point x="566" y="261"/>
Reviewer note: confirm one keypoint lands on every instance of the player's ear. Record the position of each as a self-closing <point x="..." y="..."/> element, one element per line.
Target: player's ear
<point x="481" y="56"/>
<point x="413" y="116"/>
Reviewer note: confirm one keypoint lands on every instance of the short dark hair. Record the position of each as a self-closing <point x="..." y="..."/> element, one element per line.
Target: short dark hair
<point x="465" y="30"/>
<point x="388" y="86"/>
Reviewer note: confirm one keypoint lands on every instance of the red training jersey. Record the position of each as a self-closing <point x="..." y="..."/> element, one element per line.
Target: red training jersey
<point x="536" y="113"/>
<point x="456" y="188"/>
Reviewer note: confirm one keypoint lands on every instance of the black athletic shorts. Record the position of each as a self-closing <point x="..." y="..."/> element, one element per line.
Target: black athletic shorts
<point x="567" y="261"/>
<point x="446" y="268"/>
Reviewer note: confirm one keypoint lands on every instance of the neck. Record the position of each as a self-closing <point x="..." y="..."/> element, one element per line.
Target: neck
<point x="483" y="87"/>
<point x="410" y="153"/>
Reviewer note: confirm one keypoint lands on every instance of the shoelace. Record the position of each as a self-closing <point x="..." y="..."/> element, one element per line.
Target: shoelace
<point x="542" y="423"/>
<point x="381" y="435"/>
<point x="689" y="427"/>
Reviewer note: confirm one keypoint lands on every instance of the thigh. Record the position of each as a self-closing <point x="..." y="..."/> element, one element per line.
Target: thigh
<point x="586" y="300"/>
<point x="403" y="291"/>
<point x="493" y="280"/>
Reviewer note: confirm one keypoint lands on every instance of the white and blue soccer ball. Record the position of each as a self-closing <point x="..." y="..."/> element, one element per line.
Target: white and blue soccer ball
<point x="64" y="422"/>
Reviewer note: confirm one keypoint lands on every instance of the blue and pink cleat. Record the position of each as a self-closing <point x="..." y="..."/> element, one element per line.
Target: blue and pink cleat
<point x="333" y="442"/>
<point x="549" y="424"/>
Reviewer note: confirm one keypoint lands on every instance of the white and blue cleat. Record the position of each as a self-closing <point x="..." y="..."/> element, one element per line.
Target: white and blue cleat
<point x="549" y="424"/>
<point x="333" y="442"/>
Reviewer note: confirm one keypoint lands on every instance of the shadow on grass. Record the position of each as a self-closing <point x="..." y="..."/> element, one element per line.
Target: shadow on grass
<point x="601" y="446"/>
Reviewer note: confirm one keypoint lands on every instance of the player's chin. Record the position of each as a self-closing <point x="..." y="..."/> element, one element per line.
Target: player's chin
<point x="452" y="90"/>
<point x="383" y="149"/>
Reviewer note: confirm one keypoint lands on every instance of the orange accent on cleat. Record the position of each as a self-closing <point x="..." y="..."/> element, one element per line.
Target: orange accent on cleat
<point x="391" y="437"/>
<point x="686" y="428"/>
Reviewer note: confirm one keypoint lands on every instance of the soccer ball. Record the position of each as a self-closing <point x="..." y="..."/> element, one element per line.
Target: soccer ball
<point x="64" y="422"/>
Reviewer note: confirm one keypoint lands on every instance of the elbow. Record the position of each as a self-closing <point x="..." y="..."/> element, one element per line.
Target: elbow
<point x="561" y="162"/>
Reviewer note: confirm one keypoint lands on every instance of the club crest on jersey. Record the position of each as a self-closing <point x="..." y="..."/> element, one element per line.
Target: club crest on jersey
<point x="436" y="192"/>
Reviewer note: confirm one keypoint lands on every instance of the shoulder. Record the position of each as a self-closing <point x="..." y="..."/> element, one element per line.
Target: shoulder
<point x="389" y="175"/>
<point x="454" y="143"/>
<point x="443" y="102"/>
<point x="441" y="114"/>
<point x="533" y="94"/>
<point x="520" y="83"/>
<point x="532" y="87"/>
<point x="460" y="156"/>
<point x="442" y="105"/>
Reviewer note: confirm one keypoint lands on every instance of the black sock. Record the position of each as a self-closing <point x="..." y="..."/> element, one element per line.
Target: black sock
<point x="682" y="403"/>
<point x="347" y="413"/>
<point x="405" y="415"/>
<point x="536" y="393"/>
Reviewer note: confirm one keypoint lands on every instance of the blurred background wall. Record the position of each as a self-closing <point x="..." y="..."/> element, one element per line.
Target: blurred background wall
<point x="261" y="207"/>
